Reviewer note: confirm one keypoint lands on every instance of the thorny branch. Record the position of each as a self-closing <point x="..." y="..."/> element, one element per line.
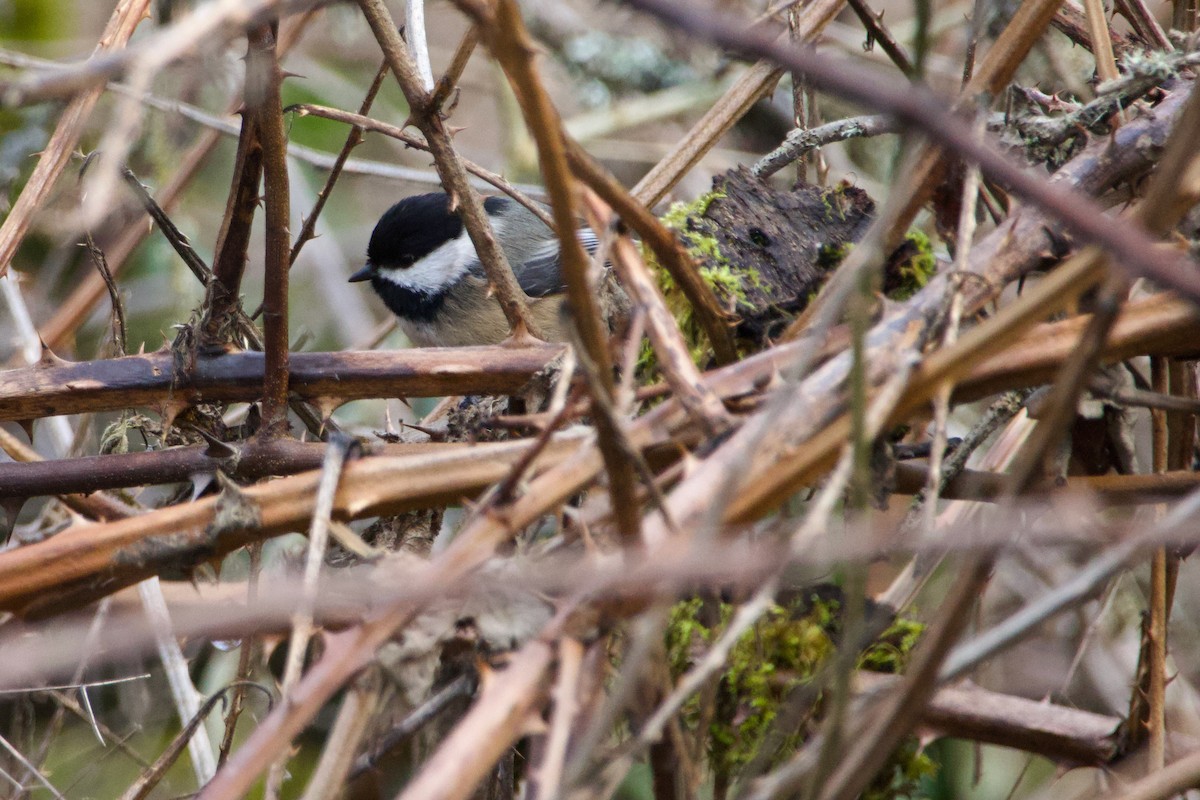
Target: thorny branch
<point x="717" y="451"/>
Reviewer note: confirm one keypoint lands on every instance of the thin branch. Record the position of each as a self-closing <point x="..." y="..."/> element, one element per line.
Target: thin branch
<point x="212" y="23"/>
<point x="358" y="710"/>
<point x="156" y="379"/>
<point x="504" y="31"/>
<point x="375" y="126"/>
<point x="37" y="773"/>
<point x="222" y="299"/>
<point x="245" y="461"/>
<point x="72" y="311"/>
<point x="95" y="506"/>
<point x="803" y="140"/>
<point x="183" y="693"/>
<point x="1087" y="582"/>
<point x="878" y="33"/>
<point x="671" y="350"/>
<point x="1071" y="21"/>
<point x="1133" y="249"/>
<point x="726" y="112"/>
<point x="149" y="779"/>
<point x="179" y="243"/>
<point x="308" y="230"/>
<point x="458" y="62"/>
<point x="268" y="116"/>
<point x="450" y="168"/>
<point x="1144" y="23"/>
<point x="247" y="656"/>
<point x="120" y="336"/>
<point x="498" y="719"/>
<point x="422" y="715"/>
<point x="715" y="320"/>
<point x="57" y="152"/>
<point x="302" y="621"/>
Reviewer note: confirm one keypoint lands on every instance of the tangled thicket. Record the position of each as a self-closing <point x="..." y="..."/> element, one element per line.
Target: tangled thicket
<point x="907" y="397"/>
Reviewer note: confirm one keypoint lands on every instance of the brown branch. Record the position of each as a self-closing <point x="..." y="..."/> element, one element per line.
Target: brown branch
<point x="501" y="715"/>
<point x="308" y="230"/>
<point x="672" y="255"/>
<point x="78" y="304"/>
<point x="242" y="461"/>
<point x="96" y="506"/>
<point x="58" y="150"/>
<point x="510" y="43"/>
<point x="85" y="562"/>
<point x="156" y="379"/>
<point x="1061" y="405"/>
<point x="1068" y="736"/>
<point x="233" y="239"/>
<point x="1071" y="22"/>
<point x="419" y="717"/>
<point x="877" y="32"/>
<point x="1144" y="23"/>
<point x="458" y="62"/>
<point x="450" y="169"/>
<point x="248" y="655"/>
<point x="1111" y="489"/>
<point x="263" y="78"/>
<point x="1102" y="46"/>
<point x="671" y="350"/>
<point x="375" y="126"/>
<point x="1130" y="245"/>
<point x="150" y="778"/>
<point x="179" y="243"/>
<point x="1156" y="325"/>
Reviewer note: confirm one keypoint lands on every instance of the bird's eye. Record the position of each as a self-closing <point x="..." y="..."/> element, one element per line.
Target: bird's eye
<point x="407" y="261"/>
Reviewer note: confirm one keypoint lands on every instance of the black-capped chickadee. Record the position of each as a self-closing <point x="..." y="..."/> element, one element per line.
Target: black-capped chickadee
<point x="422" y="264"/>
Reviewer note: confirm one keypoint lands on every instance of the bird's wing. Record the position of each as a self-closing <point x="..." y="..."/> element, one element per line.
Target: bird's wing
<point x="541" y="274"/>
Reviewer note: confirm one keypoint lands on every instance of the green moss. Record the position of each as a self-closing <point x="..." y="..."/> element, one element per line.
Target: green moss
<point x="889" y="653"/>
<point x="704" y="248"/>
<point x="781" y="652"/>
<point x="917" y="269"/>
<point x="728" y="283"/>
<point x="677" y="215"/>
<point x="829" y="255"/>
<point x="903" y="774"/>
<point x="768" y="662"/>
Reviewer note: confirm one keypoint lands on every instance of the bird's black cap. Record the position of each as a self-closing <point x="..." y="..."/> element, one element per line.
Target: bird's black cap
<point x="415" y="227"/>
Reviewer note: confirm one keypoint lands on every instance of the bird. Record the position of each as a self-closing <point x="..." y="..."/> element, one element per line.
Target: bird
<point x="423" y="266"/>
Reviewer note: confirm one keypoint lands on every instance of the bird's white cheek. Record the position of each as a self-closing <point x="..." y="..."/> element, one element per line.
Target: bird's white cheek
<point x="436" y="271"/>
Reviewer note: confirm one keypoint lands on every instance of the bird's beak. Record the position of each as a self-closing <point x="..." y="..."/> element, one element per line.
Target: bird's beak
<point x="363" y="274"/>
